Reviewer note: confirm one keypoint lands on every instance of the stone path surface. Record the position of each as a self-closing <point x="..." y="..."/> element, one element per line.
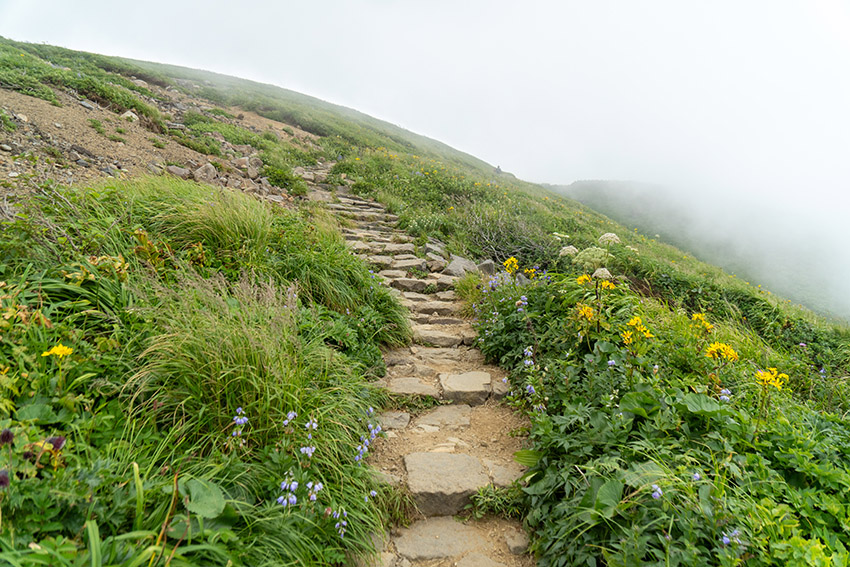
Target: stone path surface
<point x="465" y="441"/>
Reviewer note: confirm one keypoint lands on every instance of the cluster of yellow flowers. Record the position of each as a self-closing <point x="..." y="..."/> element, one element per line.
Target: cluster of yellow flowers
<point x="771" y="377"/>
<point x="511" y="265"/>
<point x="605" y="284"/>
<point x="531" y="273"/>
<point x="637" y="324"/>
<point x="581" y="280"/>
<point x="699" y="321"/>
<point x="721" y="350"/>
<point x="59" y="350"/>
<point x="584" y="311"/>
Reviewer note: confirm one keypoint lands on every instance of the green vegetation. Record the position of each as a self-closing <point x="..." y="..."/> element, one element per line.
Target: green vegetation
<point x="36" y="70"/>
<point x="97" y="126"/>
<point x="666" y="435"/>
<point x="679" y="415"/>
<point x="183" y="328"/>
<point x="6" y="122"/>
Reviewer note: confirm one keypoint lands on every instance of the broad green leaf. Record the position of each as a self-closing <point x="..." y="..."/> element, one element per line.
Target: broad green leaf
<point x="205" y="498"/>
<point x="641" y="474"/>
<point x="639" y="403"/>
<point x="608" y="498"/>
<point x="527" y="457"/>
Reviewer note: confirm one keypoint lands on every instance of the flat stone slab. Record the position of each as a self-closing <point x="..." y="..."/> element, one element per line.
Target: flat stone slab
<point x="471" y="388"/>
<point x="417" y="263"/>
<point x="500" y="388"/>
<point x="503" y="474"/>
<point x="401" y="248"/>
<point x="443" y="282"/>
<point x="412" y="386"/>
<point x="393" y="274"/>
<point x="441" y="483"/>
<point x="433" y="335"/>
<point x="438" y="307"/>
<point x="394" y="419"/>
<point x="409" y="284"/>
<point x="517" y="542"/>
<point x="478" y="560"/>
<point x="382" y="261"/>
<point x="437" y="538"/>
<point x="452" y="417"/>
<point x="416" y="296"/>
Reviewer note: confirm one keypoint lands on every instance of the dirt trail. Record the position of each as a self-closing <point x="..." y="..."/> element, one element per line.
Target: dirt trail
<point x="467" y="440"/>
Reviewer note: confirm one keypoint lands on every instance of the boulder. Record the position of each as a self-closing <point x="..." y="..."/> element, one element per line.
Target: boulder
<point x="205" y="174"/>
<point x="459" y="266"/>
<point x="130" y="116"/>
<point x="180" y="172"/>
<point x="487" y="267"/>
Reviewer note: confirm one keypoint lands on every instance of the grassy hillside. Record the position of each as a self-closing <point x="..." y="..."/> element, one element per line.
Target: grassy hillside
<point x="166" y="349"/>
<point x="722" y="234"/>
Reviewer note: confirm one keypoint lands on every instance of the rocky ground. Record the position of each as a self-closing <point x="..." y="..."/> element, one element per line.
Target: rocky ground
<point x="58" y="143"/>
<point x="441" y="455"/>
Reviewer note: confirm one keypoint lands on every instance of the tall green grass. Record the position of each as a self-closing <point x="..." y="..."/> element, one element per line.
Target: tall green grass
<point x="184" y="305"/>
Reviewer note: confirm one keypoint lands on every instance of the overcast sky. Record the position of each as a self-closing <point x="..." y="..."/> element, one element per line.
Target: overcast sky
<point x="739" y="100"/>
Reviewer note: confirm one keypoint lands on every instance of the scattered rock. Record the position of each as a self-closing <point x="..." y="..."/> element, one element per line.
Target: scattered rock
<point x="478" y="560"/>
<point x="22" y="118"/>
<point x="458" y="266"/>
<point x="441" y="483"/>
<point x="5" y="147"/>
<point x="86" y="104"/>
<point x="140" y="83"/>
<point x="487" y="267"/>
<point x="517" y="542"/>
<point x="205" y="174"/>
<point x="394" y="419"/>
<point x="503" y="475"/>
<point x="180" y="172"/>
<point x="130" y="116"/>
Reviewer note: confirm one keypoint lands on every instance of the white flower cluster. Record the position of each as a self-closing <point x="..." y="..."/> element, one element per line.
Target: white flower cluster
<point x="568" y="251"/>
<point x="609" y="238"/>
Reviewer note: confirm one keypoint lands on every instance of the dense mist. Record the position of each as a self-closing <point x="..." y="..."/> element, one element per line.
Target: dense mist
<point x="795" y="247"/>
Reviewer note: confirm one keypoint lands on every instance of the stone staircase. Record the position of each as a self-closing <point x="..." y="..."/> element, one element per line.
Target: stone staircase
<point x="464" y="442"/>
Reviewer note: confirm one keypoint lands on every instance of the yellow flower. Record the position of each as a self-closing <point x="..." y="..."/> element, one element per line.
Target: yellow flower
<point x="771" y="377"/>
<point x="581" y="280"/>
<point x="699" y="320"/>
<point x="59" y="350"/>
<point x="721" y="350"/>
<point x="627" y="337"/>
<point x="635" y="321"/>
<point x="606" y="285"/>
<point x="584" y="312"/>
<point x="511" y="265"/>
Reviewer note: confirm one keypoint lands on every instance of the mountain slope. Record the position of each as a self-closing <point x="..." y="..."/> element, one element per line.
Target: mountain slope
<point x="189" y="367"/>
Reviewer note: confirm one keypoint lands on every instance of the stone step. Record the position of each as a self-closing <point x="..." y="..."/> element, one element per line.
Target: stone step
<point x="410" y="285"/>
<point x="432" y="307"/>
<point x="410" y="263"/>
<point x="411" y="386"/>
<point x="471" y="388"/>
<point x="438" y="335"/>
<point x="437" y="538"/>
<point x="441" y="483"/>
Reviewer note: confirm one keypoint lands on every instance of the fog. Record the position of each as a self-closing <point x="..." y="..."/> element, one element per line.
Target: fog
<point x="741" y="107"/>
